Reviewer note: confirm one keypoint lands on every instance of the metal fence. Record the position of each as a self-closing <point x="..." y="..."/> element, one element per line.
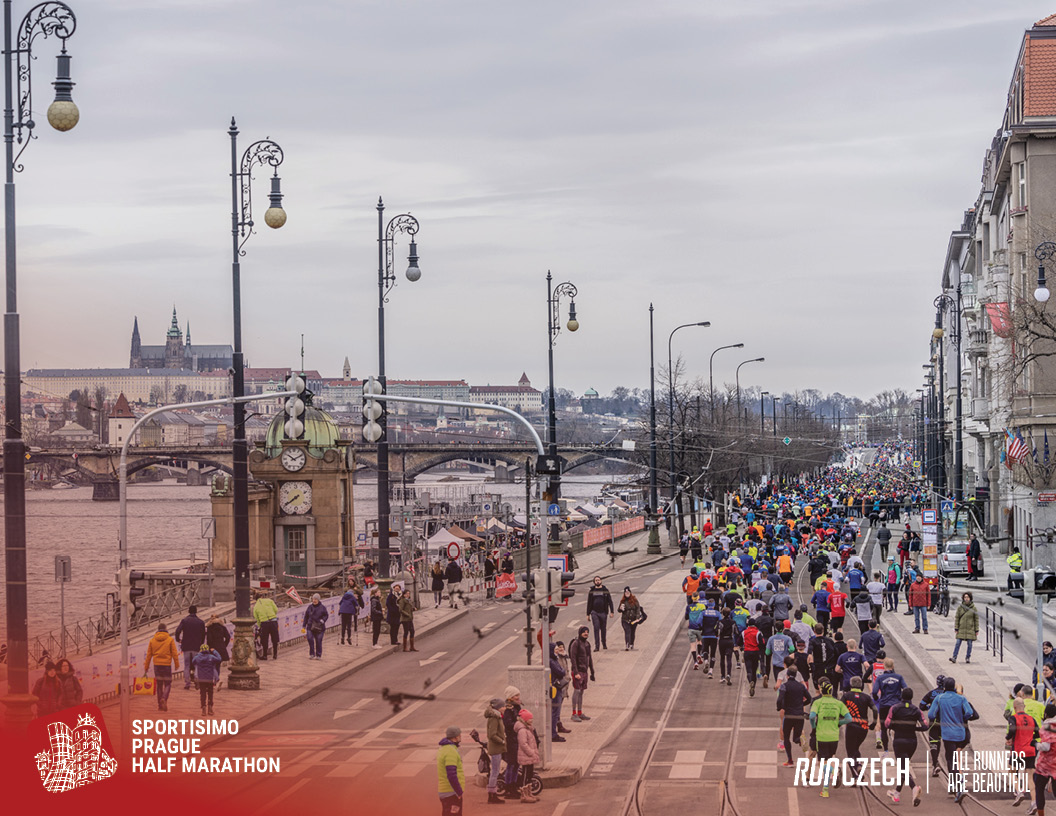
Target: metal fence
<point x="995" y="634"/>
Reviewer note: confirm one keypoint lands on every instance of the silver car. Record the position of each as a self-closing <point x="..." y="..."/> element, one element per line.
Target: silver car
<point x="954" y="557"/>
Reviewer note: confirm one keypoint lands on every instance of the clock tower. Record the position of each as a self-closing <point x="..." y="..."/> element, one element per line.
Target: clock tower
<point x="302" y="521"/>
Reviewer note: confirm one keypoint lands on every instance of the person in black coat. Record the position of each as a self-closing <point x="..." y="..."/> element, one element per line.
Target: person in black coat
<point x="190" y="634"/>
<point x="453" y="574"/>
<point x="392" y="616"/>
<point x="489" y="576"/>
<point x="975" y="554"/>
<point x="218" y="638"/>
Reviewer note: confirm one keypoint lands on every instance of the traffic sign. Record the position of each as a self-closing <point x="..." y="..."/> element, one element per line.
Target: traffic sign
<point x="535" y="525"/>
<point x="209" y="527"/>
<point x="946" y="506"/>
<point x="916" y="464"/>
<point x="787" y="440"/>
<point x="553" y="510"/>
<point x="929" y="517"/>
<point x="537" y="509"/>
<point x="454" y="550"/>
<point x="1046" y="498"/>
<point x="486" y="507"/>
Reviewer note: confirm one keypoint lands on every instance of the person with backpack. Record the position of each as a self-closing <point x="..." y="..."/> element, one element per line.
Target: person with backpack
<point x="894" y="578"/>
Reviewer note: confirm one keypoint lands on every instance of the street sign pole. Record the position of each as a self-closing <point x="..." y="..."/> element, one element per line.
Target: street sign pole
<point x="63" y="573"/>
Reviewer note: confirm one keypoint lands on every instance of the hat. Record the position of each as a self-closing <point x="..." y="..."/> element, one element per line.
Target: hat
<point x="453" y="731"/>
<point x="584" y="630"/>
<point x="788" y="624"/>
<point x="525" y="714"/>
<point x="627" y="589"/>
<point x="205" y="647"/>
<point x="496" y="702"/>
<point x="48" y="666"/>
<point x="317" y="597"/>
<point x="511" y="692"/>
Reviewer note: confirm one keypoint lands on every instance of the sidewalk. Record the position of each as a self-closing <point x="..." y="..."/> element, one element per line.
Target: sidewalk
<point x="284" y="683"/>
<point x="987" y="683"/>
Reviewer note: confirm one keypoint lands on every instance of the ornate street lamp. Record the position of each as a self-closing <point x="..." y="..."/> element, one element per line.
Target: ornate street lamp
<point x="42" y="21"/>
<point x="244" y="675"/>
<point x="671" y="429"/>
<point x="407" y="224"/>
<point x="737" y="376"/>
<point x="1045" y="251"/>
<point x="943" y="303"/>
<point x="711" y="375"/>
<point x="553" y="323"/>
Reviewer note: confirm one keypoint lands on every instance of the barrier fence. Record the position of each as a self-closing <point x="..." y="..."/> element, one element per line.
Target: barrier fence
<point x="600" y="535"/>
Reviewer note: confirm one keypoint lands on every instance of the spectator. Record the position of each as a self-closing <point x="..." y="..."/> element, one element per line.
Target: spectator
<point x="190" y="634"/>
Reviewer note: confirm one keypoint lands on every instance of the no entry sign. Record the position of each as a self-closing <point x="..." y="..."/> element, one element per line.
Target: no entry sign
<point x="453" y="550"/>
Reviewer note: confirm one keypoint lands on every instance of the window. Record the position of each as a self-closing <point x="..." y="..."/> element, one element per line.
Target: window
<point x="1022" y="184"/>
<point x="296" y="544"/>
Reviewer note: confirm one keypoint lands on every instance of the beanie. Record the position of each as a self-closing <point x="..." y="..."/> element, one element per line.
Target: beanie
<point x="525" y="715"/>
<point x="453" y="731"/>
<point x="511" y="692"/>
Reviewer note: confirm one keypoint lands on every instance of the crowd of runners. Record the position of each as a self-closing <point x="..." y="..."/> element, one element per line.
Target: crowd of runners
<point x="782" y="593"/>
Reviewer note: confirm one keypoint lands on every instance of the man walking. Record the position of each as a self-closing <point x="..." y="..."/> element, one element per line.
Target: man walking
<point x="599" y="604"/>
<point x="190" y="634"/>
<point x="883" y="538"/>
<point x="266" y="614"/>
<point x="919" y="598"/>
<point x="450" y="775"/>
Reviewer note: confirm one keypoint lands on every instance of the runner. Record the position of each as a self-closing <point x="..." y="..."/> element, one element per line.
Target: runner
<point x="709" y="636"/>
<point x="887" y="692"/>
<point x="904" y="721"/>
<point x="753" y="652"/>
<point x="953" y="712"/>
<point x="827" y="714"/>
<point x="864" y="718"/>
<point x="1022" y="734"/>
<point x="729" y="635"/>
<point x="792" y="698"/>
<point x="778" y="647"/>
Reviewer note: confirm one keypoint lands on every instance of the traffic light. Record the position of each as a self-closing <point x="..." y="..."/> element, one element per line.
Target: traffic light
<point x="1044" y="582"/>
<point x="294" y="408"/>
<point x="528" y="581"/>
<point x="1026" y="593"/>
<point x="130" y="593"/>
<point x="558" y="588"/>
<point x="373" y="410"/>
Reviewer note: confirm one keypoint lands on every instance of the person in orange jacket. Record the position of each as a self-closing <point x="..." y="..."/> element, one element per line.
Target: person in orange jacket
<point x="163" y="653"/>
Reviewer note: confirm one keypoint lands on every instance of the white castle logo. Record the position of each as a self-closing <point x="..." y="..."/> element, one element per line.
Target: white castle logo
<point x="76" y="757"/>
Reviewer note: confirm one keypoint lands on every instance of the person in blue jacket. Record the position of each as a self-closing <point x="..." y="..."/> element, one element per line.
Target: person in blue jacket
<point x="952" y="712"/>
<point x="348" y="610"/>
<point x="887" y="692"/>
<point x="820" y="601"/>
<point x="207" y="670"/>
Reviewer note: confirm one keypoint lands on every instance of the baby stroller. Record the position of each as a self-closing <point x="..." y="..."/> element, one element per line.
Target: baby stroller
<point x="484" y="767"/>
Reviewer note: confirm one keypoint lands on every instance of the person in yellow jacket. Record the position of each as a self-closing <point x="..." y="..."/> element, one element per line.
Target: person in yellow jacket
<point x="451" y="779"/>
<point x="162" y="652"/>
<point x="1015" y="569"/>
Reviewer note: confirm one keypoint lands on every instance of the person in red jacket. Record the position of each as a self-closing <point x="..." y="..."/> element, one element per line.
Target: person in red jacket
<point x="837" y="608"/>
<point x="1020" y="739"/>
<point x="919" y="599"/>
<point x="753" y="652"/>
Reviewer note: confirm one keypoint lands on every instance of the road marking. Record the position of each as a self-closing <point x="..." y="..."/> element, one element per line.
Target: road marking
<point x="405" y="770"/>
<point x="793" y="802"/>
<point x="487" y="627"/>
<point x="346" y="771"/>
<point x="689" y="757"/>
<point x="386" y="727"/>
<point x="296" y="786"/>
<point x="432" y="659"/>
<point x="761" y="765"/>
<point x="356" y="706"/>
<point x="561" y="807"/>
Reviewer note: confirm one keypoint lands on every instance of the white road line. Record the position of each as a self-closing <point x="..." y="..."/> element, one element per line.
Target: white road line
<point x="793" y="802"/>
<point x="432" y="659"/>
<point x="386" y="727"/>
<point x="296" y="786"/>
<point x="561" y="807"/>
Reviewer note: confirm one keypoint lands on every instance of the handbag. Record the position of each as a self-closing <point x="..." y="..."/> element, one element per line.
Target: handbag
<point x="315" y="627"/>
<point x="144" y="685"/>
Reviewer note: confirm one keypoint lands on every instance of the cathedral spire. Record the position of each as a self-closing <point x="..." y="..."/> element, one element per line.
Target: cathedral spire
<point x="174" y="329"/>
<point x="134" y="358"/>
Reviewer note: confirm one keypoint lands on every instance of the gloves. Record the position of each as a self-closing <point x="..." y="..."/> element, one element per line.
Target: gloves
<point x="592" y="680"/>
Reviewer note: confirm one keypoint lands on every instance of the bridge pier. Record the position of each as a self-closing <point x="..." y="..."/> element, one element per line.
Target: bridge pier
<point x="106" y="490"/>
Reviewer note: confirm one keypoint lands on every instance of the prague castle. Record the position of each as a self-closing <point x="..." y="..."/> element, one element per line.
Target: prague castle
<point x="178" y="353"/>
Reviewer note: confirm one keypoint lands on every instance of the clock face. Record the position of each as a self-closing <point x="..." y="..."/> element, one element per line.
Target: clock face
<point x="295" y="498"/>
<point x="293" y="459"/>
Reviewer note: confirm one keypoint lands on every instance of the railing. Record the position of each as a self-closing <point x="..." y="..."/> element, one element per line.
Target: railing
<point x="980" y="408"/>
<point x="995" y="634"/>
<point x="84" y="636"/>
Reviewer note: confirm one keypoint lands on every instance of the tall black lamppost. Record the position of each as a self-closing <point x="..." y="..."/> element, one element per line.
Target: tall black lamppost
<point x="43" y="20"/>
<point x="711" y="375"/>
<point x="405" y="223"/>
<point x="654" y="532"/>
<point x="265" y="152"/>
<point x="671" y="425"/>
<point x="773" y="412"/>
<point x="930" y="423"/>
<point x="737" y="378"/>
<point x="942" y="304"/>
<point x="762" y="412"/>
<point x="553" y="325"/>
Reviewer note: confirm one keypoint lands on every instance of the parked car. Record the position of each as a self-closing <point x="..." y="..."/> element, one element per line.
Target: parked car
<point x="954" y="558"/>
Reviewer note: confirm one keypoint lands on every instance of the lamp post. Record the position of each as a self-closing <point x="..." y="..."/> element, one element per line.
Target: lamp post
<point x="553" y="321"/>
<point x="773" y="411"/>
<point x="711" y="375"/>
<point x="43" y="20"/>
<point x="653" y="547"/>
<point x="943" y="303"/>
<point x="930" y="441"/>
<point x="737" y="376"/>
<point x="762" y="413"/>
<point x="244" y="668"/>
<point x="408" y="224"/>
<point x="671" y="427"/>
<point x="1045" y="251"/>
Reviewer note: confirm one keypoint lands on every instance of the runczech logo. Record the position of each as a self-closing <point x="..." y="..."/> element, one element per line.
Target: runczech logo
<point x="75" y="756"/>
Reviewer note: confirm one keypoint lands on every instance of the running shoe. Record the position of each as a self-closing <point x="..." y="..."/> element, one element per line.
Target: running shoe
<point x="916" y="796"/>
<point x="781" y="745"/>
<point x="1022" y="796"/>
<point x="710" y="675"/>
<point x="894" y="796"/>
<point x="957" y="799"/>
<point x="1032" y="810"/>
<point x="751" y="689"/>
<point x="788" y="764"/>
<point x="824" y="793"/>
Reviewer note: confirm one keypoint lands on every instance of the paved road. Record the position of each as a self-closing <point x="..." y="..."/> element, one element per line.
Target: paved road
<point x="688" y="738"/>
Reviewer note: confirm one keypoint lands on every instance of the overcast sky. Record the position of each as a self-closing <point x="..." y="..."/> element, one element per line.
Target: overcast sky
<point x="788" y="169"/>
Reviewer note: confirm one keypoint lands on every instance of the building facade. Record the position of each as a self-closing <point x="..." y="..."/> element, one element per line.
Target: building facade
<point x="178" y="351"/>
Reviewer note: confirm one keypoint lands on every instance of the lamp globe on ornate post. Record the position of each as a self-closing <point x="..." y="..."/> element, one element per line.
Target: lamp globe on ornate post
<point x="1045" y="251"/>
<point x="737" y="377"/>
<point x="44" y="20"/>
<point x="674" y="506"/>
<point x="711" y="375"/>
<point x="553" y="323"/>
<point x="407" y="224"/>
<point x="244" y="670"/>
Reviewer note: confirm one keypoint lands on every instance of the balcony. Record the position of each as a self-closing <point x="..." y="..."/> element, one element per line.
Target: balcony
<point x="977" y="342"/>
<point x="980" y="409"/>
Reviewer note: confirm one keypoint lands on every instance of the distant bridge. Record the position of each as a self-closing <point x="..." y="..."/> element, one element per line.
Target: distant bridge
<point x="99" y="467"/>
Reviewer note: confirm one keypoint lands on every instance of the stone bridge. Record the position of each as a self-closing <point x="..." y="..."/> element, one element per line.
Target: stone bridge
<point x="409" y="461"/>
<point x="99" y="467"/>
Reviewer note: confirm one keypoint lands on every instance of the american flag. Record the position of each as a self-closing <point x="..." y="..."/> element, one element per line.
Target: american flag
<point x="1017" y="448"/>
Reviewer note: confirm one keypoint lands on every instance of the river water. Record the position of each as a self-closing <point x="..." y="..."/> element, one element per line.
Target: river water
<point x="164" y="523"/>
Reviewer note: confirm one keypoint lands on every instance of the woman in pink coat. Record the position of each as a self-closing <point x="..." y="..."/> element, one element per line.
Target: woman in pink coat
<point x="527" y="753"/>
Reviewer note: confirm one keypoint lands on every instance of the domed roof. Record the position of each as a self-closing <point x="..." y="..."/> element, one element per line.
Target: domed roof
<point x="320" y="432"/>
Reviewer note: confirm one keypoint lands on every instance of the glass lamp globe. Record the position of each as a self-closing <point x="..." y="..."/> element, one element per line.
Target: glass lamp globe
<point x="1041" y="294"/>
<point x="63" y="115"/>
<point x="275" y="217"/>
<point x="573" y="324"/>
<point x="413" y="272"/>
